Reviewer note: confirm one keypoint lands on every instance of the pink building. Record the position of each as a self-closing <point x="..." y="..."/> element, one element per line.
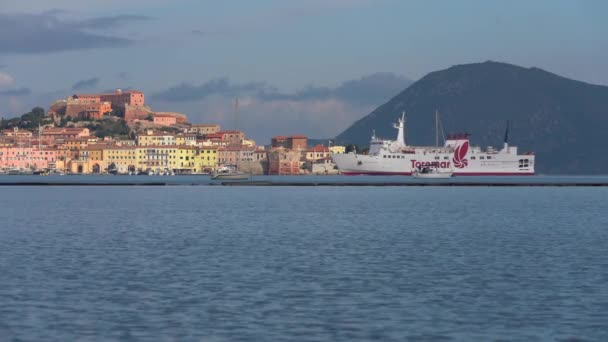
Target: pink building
<point x="27" y="157"/>
<point x="164" y="119"/>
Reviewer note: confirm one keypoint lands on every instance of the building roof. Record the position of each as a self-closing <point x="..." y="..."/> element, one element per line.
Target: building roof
<point x="318" y="148"/>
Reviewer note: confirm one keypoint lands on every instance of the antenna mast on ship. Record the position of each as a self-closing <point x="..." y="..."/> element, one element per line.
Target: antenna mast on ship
<point x="506" y="144"/>
<point x="436" y="128"/>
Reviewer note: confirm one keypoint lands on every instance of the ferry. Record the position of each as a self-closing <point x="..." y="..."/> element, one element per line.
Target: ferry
<point x="457" y="156"/>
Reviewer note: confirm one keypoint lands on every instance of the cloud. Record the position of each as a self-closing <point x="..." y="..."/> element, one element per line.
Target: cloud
<point x="47" y="32"/>
<point x="372" y="89"/>
<point x="109" y="22"/>
<point x="368" y="90"/>
<point x="86" y="84"/>
<point x="264" y="111"/>
<point x="16" y="92"/>
<point x="6" y="79"/>
<point x="222" y="86"/>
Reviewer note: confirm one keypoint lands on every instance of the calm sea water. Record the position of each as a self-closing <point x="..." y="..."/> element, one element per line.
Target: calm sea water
<point x="303" y="264"/>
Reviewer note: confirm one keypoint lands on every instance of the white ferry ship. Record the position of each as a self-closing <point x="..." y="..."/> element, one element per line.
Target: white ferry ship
<point x="395" y="157"/>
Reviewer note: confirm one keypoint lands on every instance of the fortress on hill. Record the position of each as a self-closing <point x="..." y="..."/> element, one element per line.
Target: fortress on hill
<point x="128" y="104"/>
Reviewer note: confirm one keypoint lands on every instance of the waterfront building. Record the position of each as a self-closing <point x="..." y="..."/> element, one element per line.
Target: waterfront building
<point x="282" y="161"/>
<point x="208" y="158"/>
<point x="122" y="158"/>
<point x="27" y="157"/>
<point x="185" y="161"/>
<point x="156" y="158"/>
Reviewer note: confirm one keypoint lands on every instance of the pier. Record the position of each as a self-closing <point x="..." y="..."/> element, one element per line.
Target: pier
<point x="307" y="181"/>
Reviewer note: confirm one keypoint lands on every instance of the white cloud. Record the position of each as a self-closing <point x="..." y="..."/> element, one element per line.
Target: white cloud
<point x="6" y="79"/>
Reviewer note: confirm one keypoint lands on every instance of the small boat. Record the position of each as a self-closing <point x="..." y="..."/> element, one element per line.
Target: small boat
<point x="428" y="172"/>
<point x="20" y="172"/>
<point x="231" y="175"/>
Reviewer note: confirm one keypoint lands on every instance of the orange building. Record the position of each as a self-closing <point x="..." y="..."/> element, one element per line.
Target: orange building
<point x="88" y="109"/>
<point x="293" y="142"/>
<point x="64" y="133"/>
<point x="118" y="99"/>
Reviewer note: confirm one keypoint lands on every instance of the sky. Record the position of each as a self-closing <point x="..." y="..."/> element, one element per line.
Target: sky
<point x="297" y="67"/>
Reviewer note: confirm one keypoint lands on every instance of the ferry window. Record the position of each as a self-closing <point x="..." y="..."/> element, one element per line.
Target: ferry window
<point x="437" y="158"/>
<point x="472" y="157"/>
<point x="383" y="156"/>
<point x="446" y="158"/>
<point x="489" y="157"/>
<point x="481" y="157"/>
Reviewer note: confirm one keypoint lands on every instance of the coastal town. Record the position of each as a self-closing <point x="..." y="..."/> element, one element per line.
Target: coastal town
<point x="118" y="133"/>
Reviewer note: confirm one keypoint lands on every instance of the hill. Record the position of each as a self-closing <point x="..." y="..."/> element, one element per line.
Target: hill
<point x="562" y="120"/>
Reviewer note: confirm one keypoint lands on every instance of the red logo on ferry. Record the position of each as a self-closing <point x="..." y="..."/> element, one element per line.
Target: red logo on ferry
<point x="459" y="155"/>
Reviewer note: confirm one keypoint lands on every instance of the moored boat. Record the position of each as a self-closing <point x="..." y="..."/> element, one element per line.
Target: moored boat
<point x="396" y="157"/>
<point x="431" y="173"/>
<point x="226" y="173"/>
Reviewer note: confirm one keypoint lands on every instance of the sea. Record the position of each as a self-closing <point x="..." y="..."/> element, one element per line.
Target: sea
<point x="332" y="263"/>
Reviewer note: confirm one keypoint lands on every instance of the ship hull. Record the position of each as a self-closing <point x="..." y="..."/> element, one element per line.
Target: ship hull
<point x="404" y="164"/>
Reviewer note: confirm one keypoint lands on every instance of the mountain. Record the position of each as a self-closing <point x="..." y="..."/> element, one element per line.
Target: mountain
<point x="562" y="120"/>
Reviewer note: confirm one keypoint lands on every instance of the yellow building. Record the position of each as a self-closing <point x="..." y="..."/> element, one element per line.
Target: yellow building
<point x="186" y="160"/>
<point x="207" y="158"/>
<point x="123" y="158"/>
<point x="336" y="149"/>
<point x="317" y="152"/>
<point x="158" y="159"/>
